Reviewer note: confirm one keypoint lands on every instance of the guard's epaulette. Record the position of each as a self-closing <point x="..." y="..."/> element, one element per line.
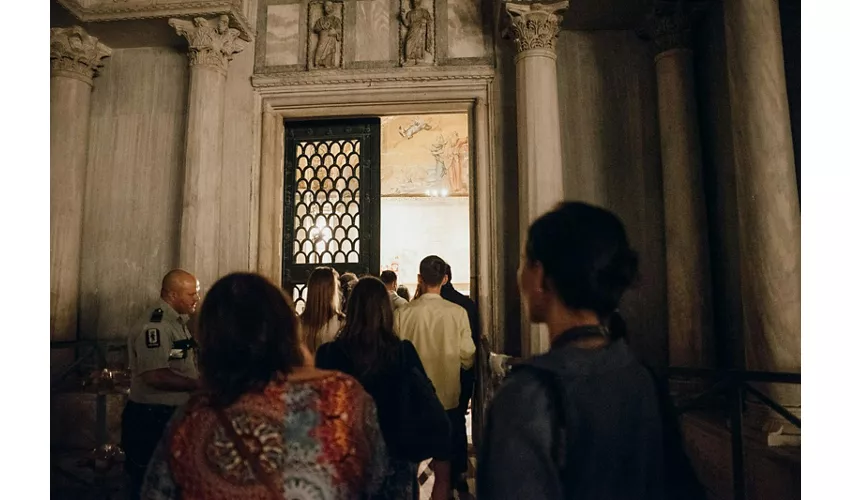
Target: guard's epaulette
<point x="156" y="317"/>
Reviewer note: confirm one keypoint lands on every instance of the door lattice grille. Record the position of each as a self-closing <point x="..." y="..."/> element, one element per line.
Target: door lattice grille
<point x="327" y="202"/>
<point x="299" y="297"/>
<point x="331" y="199"/>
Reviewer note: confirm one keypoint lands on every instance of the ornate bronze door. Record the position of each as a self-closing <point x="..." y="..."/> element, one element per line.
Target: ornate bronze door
<point x="331" y="201"/>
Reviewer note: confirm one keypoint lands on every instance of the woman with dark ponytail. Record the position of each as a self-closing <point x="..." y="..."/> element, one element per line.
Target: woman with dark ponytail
<point x="581" y="421"/>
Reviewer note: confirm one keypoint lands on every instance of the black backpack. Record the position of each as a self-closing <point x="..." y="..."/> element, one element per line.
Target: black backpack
<point x="681" y="482"/>
<point x="419" y="428"/>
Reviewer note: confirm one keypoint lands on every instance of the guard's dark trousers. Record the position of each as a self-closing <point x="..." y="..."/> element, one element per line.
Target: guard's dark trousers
<point x="142" y="426"/>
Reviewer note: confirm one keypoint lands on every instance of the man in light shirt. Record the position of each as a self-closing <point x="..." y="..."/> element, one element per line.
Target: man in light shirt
<point x="441" y="333"/>
<point x="390" y="280"/>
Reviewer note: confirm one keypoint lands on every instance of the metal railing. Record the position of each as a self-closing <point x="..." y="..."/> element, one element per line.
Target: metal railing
<point x="734" y="385"/>
<point x="94" y="352"/>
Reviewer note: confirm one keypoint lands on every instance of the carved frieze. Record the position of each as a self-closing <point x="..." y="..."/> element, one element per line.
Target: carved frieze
<point x="397" y="77"/>
<point x="534" y="25"/>
<point x="326" y="35"/>
<point x="76" y="54"/>
<point x="212" y="42"/>
<point x="417" y="33"/>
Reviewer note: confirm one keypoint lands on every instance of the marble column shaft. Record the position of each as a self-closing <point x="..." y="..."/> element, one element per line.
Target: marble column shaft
<point x="690" y="326"/>
<point x="75" y="57"/>
<point x="211" y="47"/>
<point x="768" y="203"/>
<point x="534" y="29"/>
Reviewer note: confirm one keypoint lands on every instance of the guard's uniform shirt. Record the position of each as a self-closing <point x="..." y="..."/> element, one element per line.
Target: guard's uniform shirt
<point x="162" y="341"/>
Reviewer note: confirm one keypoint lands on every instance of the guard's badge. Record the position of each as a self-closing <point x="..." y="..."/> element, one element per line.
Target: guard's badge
<point x="156" y="317"/>
<point x="152" y="338"/>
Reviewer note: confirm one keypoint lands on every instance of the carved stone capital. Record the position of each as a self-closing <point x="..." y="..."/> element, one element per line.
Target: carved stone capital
<point x="212" y="42"/>
<point x="669" y="26"/>
<point x="534" y="25"/>
<point x="76" y="54"/>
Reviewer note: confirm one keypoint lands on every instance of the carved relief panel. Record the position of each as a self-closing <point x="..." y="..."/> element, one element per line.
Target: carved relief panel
<point x="417" y="41"/>
<point x="326" y="35"/>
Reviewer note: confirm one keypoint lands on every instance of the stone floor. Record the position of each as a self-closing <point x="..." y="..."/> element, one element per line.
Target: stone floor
<point x="426" y="480"/>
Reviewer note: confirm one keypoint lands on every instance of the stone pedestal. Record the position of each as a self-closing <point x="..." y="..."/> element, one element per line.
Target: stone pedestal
<point x="686" y="228"/>
<point x="534" y="28"/>
<point x="212" y="44"/>
<point x="75" y="57"/>
<point x="768" y="203"/>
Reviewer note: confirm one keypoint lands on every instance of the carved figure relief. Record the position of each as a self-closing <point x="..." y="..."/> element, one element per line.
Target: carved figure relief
<point x="418" y="36"/>
<point x="328" y="32"/>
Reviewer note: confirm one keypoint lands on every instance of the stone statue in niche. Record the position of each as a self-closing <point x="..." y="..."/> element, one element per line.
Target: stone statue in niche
<point x="419" y="41"/>
<point x="329" y="31"/>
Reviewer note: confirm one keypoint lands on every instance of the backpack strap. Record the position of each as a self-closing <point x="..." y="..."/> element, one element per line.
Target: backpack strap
<point x="555" y="392"/>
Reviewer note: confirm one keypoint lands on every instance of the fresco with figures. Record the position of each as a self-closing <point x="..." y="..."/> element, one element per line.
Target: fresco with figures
<point x="425" y="155"/>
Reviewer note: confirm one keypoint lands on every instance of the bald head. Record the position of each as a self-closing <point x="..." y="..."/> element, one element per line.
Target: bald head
<point x="180" y="290"/>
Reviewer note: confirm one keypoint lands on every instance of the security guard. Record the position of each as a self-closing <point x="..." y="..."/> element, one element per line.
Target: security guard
<point x="164" y="371"/>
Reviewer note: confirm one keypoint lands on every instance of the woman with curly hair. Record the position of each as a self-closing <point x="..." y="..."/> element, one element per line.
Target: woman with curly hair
<point x="266" y="424"/>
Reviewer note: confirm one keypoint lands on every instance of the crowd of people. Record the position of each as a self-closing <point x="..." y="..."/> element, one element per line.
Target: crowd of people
<point x="346" y="400"/>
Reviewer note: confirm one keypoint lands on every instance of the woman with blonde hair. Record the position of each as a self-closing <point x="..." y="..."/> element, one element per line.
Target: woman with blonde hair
<point x="322" y="317"/>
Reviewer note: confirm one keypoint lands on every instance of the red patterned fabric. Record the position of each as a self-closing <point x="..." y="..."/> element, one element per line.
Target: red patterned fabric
<point x="317" y="438"/>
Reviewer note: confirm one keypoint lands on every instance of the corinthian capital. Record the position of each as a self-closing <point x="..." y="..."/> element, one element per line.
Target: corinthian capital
<point x="669" y="26"/>
<point x="76" y="54"/>
<point x="534" y="25"/>
<point x="212" y="42"/>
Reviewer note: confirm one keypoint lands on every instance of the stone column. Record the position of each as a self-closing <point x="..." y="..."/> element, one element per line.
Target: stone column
<point x="534" y="29"/>
<point x="212" y="44"/>
<point x="768" y="204"/>
<point x="689" y="290"/>
<point x="75" y="58"/>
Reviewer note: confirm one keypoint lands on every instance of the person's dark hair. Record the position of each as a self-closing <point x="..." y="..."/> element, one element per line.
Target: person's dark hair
<point x="432" y="269"/>
<point x="585" y="255"/>
<point x="389" y="277"/>
<point x="346" y="283"/>
<point x="617" y="327"/>
<point x="368" y="336"/>
<point x="403" y="292"/>
<point x="448" y="273"/>
<point x="248" y="333"/>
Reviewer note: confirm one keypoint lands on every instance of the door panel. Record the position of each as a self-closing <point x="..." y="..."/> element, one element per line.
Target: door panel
<point x="331" y="204"/>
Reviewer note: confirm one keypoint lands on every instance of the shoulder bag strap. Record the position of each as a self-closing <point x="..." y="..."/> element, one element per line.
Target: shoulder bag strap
<point x="243" y="451"/>
<point x="554" y="390"/>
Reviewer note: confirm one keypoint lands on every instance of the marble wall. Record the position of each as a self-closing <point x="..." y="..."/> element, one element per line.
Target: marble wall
<point x="282" y="34"/>
<point x="240" y="173"/>
<point x="134" y="183"/>
<point x="376" y="37"/>
<point x="609" y="135"/>
<point x="133" y="186"/>
<point x="466" y="38"/>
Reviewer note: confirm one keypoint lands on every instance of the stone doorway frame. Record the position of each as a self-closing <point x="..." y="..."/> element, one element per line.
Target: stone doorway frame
<point x="469" y="92"/>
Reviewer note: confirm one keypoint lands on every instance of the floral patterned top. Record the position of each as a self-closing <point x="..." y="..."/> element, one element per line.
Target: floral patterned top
<point x="318" y="438"/>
